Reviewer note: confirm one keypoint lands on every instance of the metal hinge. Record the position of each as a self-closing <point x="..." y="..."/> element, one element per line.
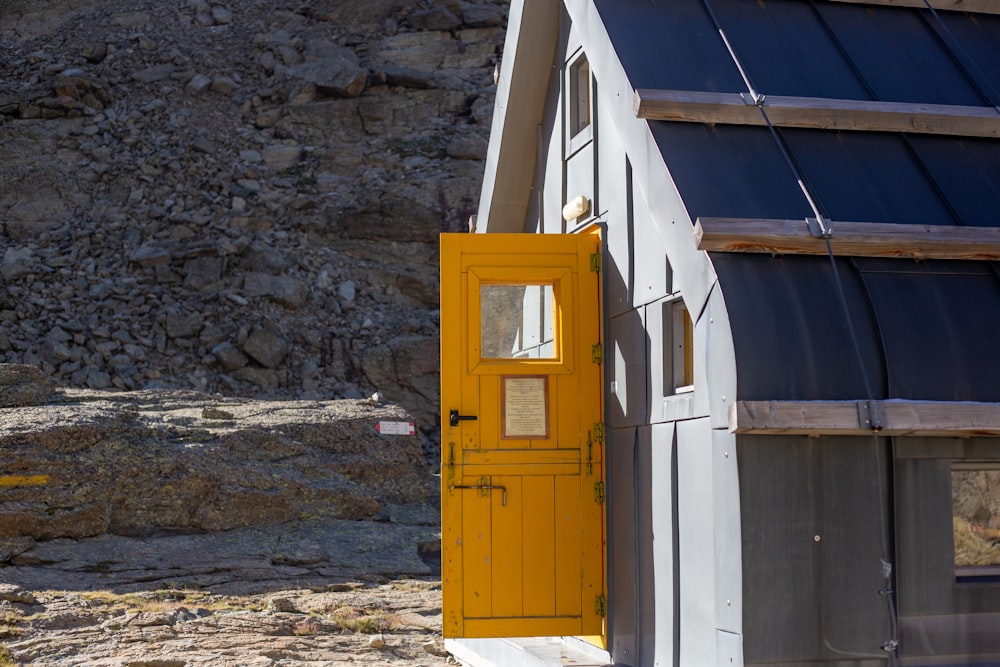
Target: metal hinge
<point x="599" y="433"/>
<point x="598" y="492"/>
<point x="601" y="606"/>
<point x="597" y="353"/>
<point x="595" y="262"/>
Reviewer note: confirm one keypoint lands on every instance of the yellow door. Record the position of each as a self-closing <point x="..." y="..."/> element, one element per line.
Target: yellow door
<point x="522" y="440"/>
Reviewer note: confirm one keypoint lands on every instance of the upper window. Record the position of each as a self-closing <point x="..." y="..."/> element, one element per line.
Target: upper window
<point x="579" y="96"/>
<point x="975" y="500"/>
<point x="518" y="321"/>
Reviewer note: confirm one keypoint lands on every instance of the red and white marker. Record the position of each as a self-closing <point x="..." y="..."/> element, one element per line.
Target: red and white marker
<point x="395" y="428"/>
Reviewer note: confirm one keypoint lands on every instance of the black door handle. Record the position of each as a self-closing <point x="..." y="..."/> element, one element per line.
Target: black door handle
<point x="454" y="418"/>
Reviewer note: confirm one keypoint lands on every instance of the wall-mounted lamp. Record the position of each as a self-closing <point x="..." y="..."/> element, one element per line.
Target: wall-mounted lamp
<point x="577" y="207"/>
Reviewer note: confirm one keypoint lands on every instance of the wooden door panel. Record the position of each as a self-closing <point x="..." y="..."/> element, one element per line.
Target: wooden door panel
<point x="522" y="527"/>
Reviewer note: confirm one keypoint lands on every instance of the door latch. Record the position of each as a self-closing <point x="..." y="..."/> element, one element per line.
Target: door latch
<point x="454" y="418"/>
<point x="484" y="487"/>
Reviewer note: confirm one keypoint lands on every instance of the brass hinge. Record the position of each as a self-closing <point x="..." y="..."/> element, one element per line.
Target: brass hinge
<point x="597" y="353"/>
<point x="595" y="262"/>
<point x="598" y="492"/>
<point x="601" y="606"/>
<point x="599" y="433"/>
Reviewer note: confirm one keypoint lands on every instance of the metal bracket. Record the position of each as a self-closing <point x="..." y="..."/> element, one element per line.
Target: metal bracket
<point x="755" y="100"/>
<point x="871" y="414"/>
<point x="820" y="228"/>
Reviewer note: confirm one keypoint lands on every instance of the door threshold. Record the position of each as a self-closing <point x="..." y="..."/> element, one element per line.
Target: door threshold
<point x="527" y="652"/>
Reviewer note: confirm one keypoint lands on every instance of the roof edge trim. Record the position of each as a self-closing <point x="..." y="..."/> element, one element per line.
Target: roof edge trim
<point x="971" y="6"/>
<point x="850" y="239"/>
<point x="817" y="113"/>
<point x="897" y="418"/>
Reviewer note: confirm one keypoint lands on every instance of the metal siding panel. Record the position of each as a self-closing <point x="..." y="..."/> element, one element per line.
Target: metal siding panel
<point x="622" y="544"/>
<point x="617" y="271"/>
<point x="967" y="171"/>
<point x="652" y="270"/>
<point x="628" y="369"/>
<point x="728" y="648"/>
<point x="781" y="619"/>
<point x="933" y="317"/>
<point x="656" y="329"/>
<point x="898" y="55"/>
<point x="853" y="489"/>
<point x="665" y="544"/>
<point x="645" y="557"/>
<point x="786" y="50"/>
<point x="696" y="533"/>
<point x="925" y="573"/>
<point x="612" y="184"/>
<point x="729" y="171"/>
<point x="615" y="183"/>
<point x="866" y="177"/>
<point x="553" y="184"/>
<point x="648" y="33"/>
<point x="715" y="362"/>
<point x="789" y="334"/>
<point x="728" y="561"/>
<point x="580" y="176"/>
<point x="809" y="599"/>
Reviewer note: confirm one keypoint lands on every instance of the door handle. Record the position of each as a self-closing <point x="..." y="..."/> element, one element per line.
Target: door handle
<point x="454" y="418"/>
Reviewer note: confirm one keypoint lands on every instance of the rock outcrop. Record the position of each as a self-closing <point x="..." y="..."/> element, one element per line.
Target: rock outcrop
<point x="238" y="197"/>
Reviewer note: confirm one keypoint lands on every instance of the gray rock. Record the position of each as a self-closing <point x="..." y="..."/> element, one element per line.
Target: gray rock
<point x="279" y="157"/>
<point x="221" y="15"/>
<point x="181" y="325"/>
<point x="266" y="346"/>
<point x="17" y="263"/>
<point x="334" y="70"/>
<point x="15" y="594"/>
<point x="435" y="18"/>
<point x="198" y="83"/>
<point x="23" y="385"/>
<point x="229" y="356"/>
<point x="347" y="292"/>
<point x="203" y="272"/>
<point x="467" y="147"/>
<point x="150" y="255"/>
<point x="224" y="85"/>
<point x="287" y="291"/>
<point x="154" y="73"/>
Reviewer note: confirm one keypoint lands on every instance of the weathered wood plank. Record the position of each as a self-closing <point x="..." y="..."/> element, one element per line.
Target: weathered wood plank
<point x="973" y="6"/>
<point x="850" y="239"/>
<point x="901" y="418"/>
<point x="817" y="113"/>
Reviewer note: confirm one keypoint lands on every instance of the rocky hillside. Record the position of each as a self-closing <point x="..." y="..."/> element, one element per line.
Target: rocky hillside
<point x="238" y="196"/>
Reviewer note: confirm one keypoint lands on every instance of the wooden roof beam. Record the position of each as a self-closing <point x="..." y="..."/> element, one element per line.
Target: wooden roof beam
<point x="972" y="6"/>
<point x="850" y="239"/>
<point x="817" y="113"/>
<point x="896" y="417"/>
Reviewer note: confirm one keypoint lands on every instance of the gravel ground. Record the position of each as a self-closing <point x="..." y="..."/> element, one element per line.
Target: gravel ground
<point x="386" y="624"/>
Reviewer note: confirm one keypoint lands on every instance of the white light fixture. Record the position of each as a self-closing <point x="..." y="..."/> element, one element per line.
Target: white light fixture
<point x="577" y="206"/>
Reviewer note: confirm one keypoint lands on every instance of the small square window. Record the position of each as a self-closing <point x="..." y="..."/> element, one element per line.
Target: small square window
<point x="975" y="501"/>
<point x="579" y="96"/>
<point x="678" y="349"/>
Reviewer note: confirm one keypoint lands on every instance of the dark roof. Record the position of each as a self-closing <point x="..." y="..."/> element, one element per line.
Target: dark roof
<point x="924" y="329"/>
